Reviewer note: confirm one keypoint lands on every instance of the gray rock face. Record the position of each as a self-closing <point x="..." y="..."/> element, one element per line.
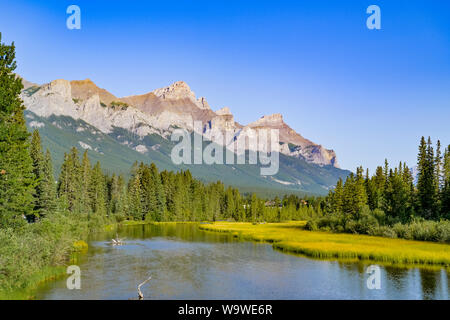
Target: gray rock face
<point x="160" y="111"/>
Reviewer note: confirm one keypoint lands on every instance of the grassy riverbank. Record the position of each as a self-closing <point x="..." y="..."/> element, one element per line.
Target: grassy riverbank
<point x="292" y="237"/>
<point x="40" y="252"/>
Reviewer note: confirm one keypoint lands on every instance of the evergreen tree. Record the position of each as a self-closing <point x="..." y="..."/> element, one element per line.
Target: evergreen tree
<point x="70" y="183"/>
<point x="48" y="186"/>
<point x="445" y="193"/>
<point x="17" y="181"/>
<point x="426" y="180"/>
<point x="85" y="172"/>
<point x="97" y="191"/>
<point x="45" y="194"/>
<point x="38" y="169"/>
<point x="254" y="208"/>
<point x="134" y="197"/>
<point x="160" y="197"/>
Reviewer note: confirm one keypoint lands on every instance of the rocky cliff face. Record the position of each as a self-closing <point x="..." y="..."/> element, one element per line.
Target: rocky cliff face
<point x="293" y="144"/>
<point x="160" y="111"/>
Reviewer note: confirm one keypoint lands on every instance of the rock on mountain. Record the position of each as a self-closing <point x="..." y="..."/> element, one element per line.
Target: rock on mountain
<point x="159" y="112"/>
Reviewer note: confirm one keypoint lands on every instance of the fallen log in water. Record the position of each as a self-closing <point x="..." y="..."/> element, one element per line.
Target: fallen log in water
<point x="140" y="295"/>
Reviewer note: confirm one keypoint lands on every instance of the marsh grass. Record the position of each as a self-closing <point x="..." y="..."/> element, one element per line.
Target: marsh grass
<point x="292" y="237"/>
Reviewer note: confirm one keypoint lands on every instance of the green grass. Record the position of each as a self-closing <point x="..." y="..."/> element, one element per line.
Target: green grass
<point x="40" y="252"/>
<point x="291" y="237"/>
<point x="47" y="273"/>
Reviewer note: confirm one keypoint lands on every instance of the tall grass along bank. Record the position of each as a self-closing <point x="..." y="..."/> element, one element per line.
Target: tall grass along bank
<point x="292" y="237"/>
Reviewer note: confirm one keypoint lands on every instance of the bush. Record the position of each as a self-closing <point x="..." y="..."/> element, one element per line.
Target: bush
<point x="383" y="231"/>
<point x="311" y="225"/>
<point x="403" y="231"/>
<point x="375" y="223"/>
<point x="25" y="252"/>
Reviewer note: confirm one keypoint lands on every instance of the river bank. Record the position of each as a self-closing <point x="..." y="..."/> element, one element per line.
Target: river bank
<point x="66" y="239"/>
<point x="291" y="237"/>
<point x="186" y="262"/>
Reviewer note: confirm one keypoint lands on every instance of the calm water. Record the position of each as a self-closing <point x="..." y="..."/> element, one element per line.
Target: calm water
<point x="186" y="263"/>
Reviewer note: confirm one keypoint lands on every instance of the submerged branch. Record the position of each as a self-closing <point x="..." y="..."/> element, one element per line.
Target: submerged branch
<point x="140" y="295"/>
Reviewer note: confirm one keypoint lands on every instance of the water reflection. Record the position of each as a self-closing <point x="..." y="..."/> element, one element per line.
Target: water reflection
<point x="186" y="263"/>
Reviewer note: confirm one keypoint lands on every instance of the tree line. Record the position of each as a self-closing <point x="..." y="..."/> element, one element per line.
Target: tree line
<point x="392" y="202"/>
<point x="394" y="191"/>
<point x="150" y="195"/>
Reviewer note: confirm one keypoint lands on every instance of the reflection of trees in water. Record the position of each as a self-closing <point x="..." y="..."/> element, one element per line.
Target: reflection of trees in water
<point x="396" y="276"/>
<point x="433" y="284"/>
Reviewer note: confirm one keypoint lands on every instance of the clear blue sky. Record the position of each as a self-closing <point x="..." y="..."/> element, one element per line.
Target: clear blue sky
<point x="367" y="94"/>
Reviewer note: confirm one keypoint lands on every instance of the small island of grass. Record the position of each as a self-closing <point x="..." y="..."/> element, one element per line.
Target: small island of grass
<point x="292" y="237"/>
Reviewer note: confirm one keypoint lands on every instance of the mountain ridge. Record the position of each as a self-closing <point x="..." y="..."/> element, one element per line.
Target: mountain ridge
<point x="159" y="111"/>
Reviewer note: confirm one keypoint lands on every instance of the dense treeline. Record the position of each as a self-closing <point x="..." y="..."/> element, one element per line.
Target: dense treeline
<point x="148" y="195"/>
<point x="27" y="191"/>
<point x="390" y="203"/>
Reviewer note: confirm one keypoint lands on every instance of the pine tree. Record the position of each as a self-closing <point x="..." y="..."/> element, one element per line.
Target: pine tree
<point x="254" y="208"/>
<point x="134" y="197"/>
<point x="160" y="197"/>
<point x="148" y="195"/>
<point x="45" y="195"/>
<point x="337" y="198"/>
<point x="38" y="169"/>
<point x="396" y="196"/>
<point x="379" y="182"/>
<point x="360" y="196"/>
<point x="97" y="191"/>
<point x="85" y="172"/>
<point x="445" y="193"/>
<point x="426" y="179"/>
<point x="438" y="168"/>
<point x="17" y="181"/>
<point x="118" y="205"/>
<point x="70" y="183"/>
<point x="48" y="186"/>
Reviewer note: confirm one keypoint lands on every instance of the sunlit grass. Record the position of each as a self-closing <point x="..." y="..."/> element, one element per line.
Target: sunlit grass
<point x="292" y="237"/>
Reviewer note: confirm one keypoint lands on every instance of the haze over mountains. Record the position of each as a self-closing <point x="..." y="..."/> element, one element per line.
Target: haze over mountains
<point x="134" y="120"/>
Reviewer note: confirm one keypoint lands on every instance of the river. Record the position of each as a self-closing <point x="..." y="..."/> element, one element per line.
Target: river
<point x="187" y="263"/>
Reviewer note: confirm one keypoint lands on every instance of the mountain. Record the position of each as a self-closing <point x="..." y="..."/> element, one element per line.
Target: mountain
<point x="119" y="131"/>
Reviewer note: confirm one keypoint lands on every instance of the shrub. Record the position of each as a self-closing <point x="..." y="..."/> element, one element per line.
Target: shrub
<point x="311" y="225"/>
<point x="403" y="231"/>
<point x="383" y="231"/>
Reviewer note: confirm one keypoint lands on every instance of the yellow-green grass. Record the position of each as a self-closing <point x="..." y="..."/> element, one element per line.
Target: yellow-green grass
<point x="292" y="237"/>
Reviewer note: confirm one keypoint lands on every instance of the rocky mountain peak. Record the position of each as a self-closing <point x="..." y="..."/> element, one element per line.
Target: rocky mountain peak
<point x="273" y="121"/>
<point x="84" y="89"/>
<point x="223" y="111"/>
<point x="59" y="86"/>
<point x="180" y="90"/>
<point x="177" y="90"/>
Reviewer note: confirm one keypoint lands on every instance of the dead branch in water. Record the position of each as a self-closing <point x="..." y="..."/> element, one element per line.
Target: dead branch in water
<point x="140" y="295"/>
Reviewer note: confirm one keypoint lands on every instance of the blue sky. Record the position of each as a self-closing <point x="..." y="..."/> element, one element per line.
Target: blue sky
<point x="367" y="94"/>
